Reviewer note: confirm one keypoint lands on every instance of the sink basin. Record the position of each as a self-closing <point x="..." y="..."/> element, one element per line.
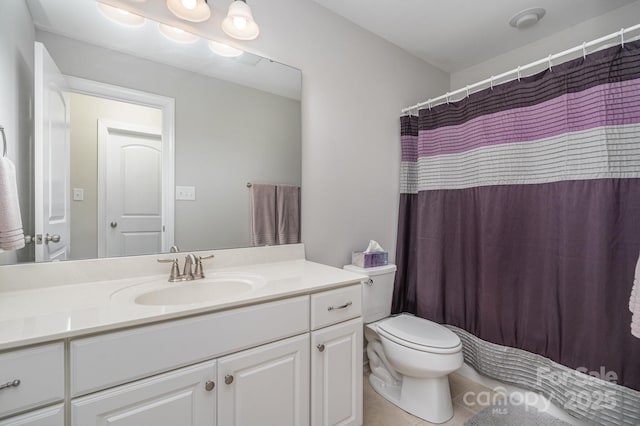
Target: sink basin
<point x="219" y="286"/>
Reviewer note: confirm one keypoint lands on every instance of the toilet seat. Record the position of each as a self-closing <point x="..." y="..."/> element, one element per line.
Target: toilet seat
<point x="419" y="334"/>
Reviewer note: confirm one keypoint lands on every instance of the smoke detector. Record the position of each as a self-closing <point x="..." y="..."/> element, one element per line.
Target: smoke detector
<point x="527" y="18"/>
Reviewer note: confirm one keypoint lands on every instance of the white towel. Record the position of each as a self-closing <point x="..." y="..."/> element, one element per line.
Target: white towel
<point x="634" y="302"/>
<point x="10" y="219"/>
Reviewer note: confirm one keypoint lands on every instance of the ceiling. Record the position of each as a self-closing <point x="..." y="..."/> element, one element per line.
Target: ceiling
<point x="448" y="33"/>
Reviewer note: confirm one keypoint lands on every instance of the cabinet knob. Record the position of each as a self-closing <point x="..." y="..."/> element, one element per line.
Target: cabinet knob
<point x="320" y="347"/>
<point x="209" y="385"/>
<point x="228" y="379"/>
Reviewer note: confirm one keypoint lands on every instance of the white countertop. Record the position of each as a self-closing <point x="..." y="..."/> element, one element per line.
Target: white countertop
<point x="43" y="314"/>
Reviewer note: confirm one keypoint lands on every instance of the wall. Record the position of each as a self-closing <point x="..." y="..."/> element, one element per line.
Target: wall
<point x="592" y="29"/>
<point x="16" y="96"/>
<point x="226" y="135"/>
<point x="354" y="86"/>
<point x="85" y="113"/>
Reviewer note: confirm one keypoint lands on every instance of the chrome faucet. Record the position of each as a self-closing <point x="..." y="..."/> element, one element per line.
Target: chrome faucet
<point x="192" y="268"/>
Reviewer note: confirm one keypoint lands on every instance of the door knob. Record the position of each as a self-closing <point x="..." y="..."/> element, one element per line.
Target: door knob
<point x="113" y="224"/>
<point x="209" y="385"/>
<point x="320" y="348"/>
<point x="228" y="379"/>
<point x="55" y="238"/>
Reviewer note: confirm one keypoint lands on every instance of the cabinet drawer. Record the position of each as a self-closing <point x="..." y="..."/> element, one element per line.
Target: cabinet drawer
<point x="111" y="359"/>
<point x="51" y="416"/>
<point x="40" y="371"/>
<point x="335" y="306"/>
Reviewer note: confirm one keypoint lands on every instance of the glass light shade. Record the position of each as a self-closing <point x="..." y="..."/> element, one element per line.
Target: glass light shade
<point x="120" y="16"/>
<point x="239" y="22"/>
<point x="200" y="13"/>
<point x="177" y="35"/>
<point x="224" y="50"/>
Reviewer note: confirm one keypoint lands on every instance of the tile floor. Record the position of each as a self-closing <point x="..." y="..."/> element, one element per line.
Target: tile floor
<point x="380" y="412"/>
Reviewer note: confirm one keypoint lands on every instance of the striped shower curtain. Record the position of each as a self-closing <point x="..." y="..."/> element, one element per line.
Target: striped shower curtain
<point x="520" y="213"/>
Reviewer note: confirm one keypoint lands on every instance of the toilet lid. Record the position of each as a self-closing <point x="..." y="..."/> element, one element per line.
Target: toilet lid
<point x="420" y="332"/>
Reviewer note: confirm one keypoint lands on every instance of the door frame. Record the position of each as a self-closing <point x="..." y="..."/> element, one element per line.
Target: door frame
<point x="167" y="106"/>
<point x="103" y="135"/>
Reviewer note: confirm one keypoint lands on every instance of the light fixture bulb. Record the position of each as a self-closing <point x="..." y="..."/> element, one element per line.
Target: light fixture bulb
<point x="190" y="10"/>
<point x="240" y="22"/>
<point x="189" y="4"/>
<point x="120" y="16"/>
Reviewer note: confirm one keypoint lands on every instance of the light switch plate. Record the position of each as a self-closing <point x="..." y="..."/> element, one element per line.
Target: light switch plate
<point x="78" y="194"/>
<point x="186" y="193"/>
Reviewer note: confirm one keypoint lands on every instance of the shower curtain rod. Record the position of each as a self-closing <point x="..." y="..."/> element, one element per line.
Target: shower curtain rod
<point x="549" y="59"/>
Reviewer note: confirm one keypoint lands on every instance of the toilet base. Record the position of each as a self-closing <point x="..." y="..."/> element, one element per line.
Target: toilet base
<point x="429" y="399"/>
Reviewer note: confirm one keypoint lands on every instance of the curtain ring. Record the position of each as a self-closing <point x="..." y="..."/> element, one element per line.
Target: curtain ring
<point x="518" y="72"/>
<point x="491" y="82"/>
<point x="550" y="67"/>
<point x="584" y="50"/>
<point x="622" y="37"/>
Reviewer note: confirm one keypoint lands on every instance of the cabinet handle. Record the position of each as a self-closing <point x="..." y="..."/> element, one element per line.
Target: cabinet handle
<point x="368" y="282"/>
<point x="320" y="347"/>
<point x="12" y="384"/>
<point x="228" y="379"/>
<point x="209" y="385"/>
<point x="346" y="305"/>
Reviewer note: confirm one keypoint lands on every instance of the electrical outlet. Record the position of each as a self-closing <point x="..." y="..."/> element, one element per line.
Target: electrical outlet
<point x="78" y="194"/>
<point x="186" y="193"/>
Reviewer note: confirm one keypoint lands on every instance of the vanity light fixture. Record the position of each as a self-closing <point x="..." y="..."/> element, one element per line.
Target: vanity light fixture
<point x="224" y="50"/>
<point x="239" y="22"/>
<point x="176" y="34"/>
<point x="120" y="16"/>
<point x="190" y="10"/>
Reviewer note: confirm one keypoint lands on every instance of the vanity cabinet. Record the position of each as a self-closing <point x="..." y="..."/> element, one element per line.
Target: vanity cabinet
<point x="185" y="397"/>
<point x="290" y="362"/>
<point x="268" y="385"/>
<point x="336" y="357"/>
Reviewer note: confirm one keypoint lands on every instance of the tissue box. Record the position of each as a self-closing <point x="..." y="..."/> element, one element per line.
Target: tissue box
<point x="369" y="260"/>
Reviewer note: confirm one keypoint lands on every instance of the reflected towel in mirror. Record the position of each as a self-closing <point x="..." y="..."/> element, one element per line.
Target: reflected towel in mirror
<point x="288" y="214"/>
<point x="11" y="233"/>
<point x="634" y="302"/>
<point x="263" y="215"/>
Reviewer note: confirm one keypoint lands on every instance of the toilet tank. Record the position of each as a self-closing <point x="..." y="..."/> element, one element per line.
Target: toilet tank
<point x="377" y="294"/>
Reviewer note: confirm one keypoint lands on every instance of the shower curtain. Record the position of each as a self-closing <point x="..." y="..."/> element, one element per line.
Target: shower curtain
<point x="520" y="213"/>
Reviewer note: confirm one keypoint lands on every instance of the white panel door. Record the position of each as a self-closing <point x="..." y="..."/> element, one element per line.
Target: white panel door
<point x="51" y="153"/>
<point x="185" y="397"/>
<point x="130" y="175"/>
<point x="336" y="375"/>
<point x="266" y="386"/>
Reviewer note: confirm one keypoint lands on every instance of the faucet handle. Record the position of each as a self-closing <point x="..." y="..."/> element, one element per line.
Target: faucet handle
<point x="174" y="275"/>
<point x="199" y="272"/>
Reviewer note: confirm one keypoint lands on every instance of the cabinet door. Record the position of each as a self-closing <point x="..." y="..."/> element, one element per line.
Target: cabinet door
<point x="336" y="374"/>
<point x="183" y="397"/>
<point x="52" y="416"/>
<point x="267" y="386"/>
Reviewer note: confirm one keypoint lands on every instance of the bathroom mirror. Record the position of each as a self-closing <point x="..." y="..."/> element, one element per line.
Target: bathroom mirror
<point x="234" y="120"/>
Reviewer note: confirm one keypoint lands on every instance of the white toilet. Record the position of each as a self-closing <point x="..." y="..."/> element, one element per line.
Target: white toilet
<point x="410" y="357"/>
